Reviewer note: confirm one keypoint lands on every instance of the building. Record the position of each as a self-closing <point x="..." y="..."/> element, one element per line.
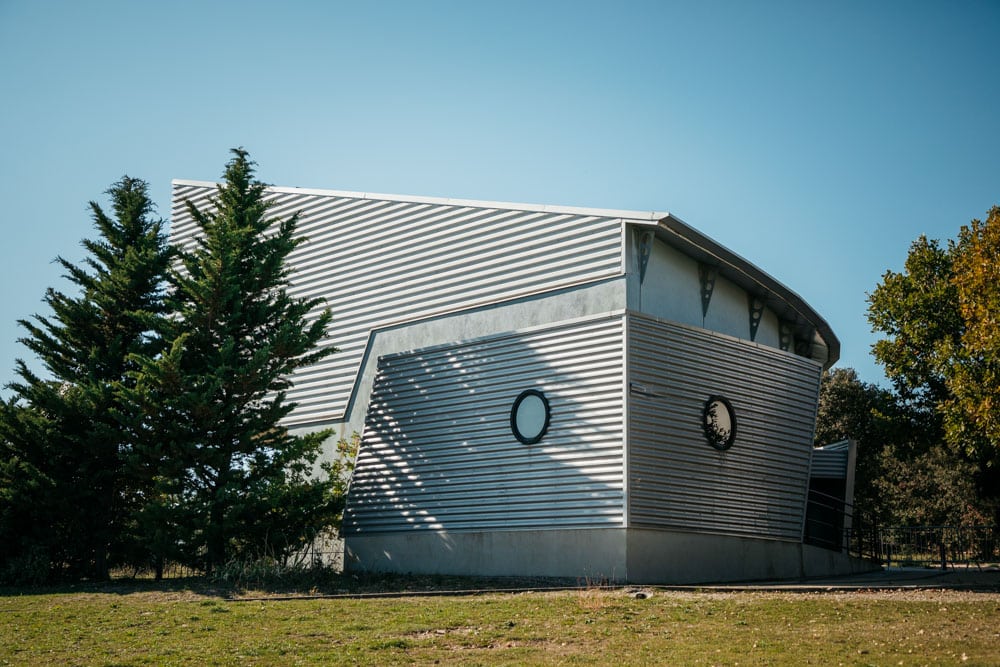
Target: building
<point x="546" y="390"/>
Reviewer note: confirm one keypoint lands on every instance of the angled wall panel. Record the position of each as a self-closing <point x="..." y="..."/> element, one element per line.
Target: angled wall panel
<point x="438" y="451"/>
<point x="378" y="261"/>
<point x="676" y="479"/>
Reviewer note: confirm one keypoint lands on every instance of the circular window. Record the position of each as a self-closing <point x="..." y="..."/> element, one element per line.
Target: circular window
<point x="529" y="418"/>
<point x="719" y="422"/>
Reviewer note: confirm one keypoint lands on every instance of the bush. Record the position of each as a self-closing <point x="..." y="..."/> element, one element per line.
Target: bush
<point x="269" y="573"/>
<point x="30" y="568"/>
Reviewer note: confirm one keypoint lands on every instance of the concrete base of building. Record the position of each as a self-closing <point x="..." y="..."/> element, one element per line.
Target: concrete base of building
<point x="670" y="557"/>
<point x="632" y="555"/>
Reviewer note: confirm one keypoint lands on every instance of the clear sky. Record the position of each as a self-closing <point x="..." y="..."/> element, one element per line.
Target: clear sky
<point x="816" y="139"/>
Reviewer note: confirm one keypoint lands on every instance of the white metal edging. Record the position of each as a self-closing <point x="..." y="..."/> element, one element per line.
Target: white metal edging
<point x="639" y="216"/>
<point x="626" y="354"/>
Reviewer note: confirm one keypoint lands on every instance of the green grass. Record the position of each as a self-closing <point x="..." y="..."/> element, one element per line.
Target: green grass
<point x="143" y="624"/>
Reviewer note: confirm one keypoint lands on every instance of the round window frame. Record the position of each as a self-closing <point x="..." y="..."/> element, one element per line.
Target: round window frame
<point x="523" y="439"/>
<point x="710" y="435"/>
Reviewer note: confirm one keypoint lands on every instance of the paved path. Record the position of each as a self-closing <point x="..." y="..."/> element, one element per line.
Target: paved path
<point x="985" y="579"/>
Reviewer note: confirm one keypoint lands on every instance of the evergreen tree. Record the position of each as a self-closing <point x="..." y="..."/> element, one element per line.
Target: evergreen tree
<point x="27" y="494"/>
<point x="65" y="492"/>
<point x="231" y="481"/>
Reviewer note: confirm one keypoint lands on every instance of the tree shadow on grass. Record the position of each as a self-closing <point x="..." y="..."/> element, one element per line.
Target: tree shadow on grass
<point x="304" y="584"/>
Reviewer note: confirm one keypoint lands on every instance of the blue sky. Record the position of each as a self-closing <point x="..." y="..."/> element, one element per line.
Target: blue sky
<point x="815" y="139"/>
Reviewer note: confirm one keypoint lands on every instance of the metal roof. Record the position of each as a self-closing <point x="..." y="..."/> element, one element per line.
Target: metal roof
<point x="789" y="306"/>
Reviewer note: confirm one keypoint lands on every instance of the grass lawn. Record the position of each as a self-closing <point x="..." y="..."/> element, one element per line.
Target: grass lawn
<point x="132" y="624"/>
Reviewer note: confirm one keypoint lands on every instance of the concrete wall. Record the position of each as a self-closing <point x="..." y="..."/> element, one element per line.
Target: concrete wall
<point x="611" y="554"/>
<point x="665" y="557"/>
<point x="595" y="553"/>
<point x="671" y="290"/>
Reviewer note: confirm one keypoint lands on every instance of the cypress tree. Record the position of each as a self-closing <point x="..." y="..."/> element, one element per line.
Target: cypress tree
<point x="233" y="482"/>
<point x="66" y="491"/>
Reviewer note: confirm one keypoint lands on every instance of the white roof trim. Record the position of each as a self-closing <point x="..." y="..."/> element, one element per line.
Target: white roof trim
<point x="641" y="216"/>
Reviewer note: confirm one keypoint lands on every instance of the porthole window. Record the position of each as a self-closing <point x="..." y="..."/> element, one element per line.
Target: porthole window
<point x="719" y="422"/>
<point x="529" y="417"/>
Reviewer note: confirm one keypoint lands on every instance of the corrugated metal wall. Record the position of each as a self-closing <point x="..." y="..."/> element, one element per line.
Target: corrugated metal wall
<point x="438" y="451"/>
<point x="830" y="462"/>
<point x="379" y="261"/>
<point x="676" y="479"/>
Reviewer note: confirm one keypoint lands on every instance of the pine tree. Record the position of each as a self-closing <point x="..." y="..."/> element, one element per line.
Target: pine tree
<point x="27" y="516"/>
<point x="62" y="434"/>
<point x="232" y="481"/>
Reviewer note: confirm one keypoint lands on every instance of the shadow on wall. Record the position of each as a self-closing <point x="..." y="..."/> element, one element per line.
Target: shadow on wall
<point x="439" y="453"/>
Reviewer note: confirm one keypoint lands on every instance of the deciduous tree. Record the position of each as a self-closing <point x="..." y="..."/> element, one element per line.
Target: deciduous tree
<point x="940" y="349"/>
<point x="850" y="408"/>
<point x="917" y="312"/>
<point x="906" y="473"/>
<point x="973" y="413"/>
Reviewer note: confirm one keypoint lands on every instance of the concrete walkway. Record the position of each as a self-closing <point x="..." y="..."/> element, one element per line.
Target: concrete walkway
<point x="986" y="579"/>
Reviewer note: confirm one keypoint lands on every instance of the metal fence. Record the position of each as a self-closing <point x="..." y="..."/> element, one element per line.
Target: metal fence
<point x="833" y="524"/>
<point x="939" y="546"/>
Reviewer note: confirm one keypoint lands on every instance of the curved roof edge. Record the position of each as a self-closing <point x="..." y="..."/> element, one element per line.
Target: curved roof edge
<point x="789" y="306"/>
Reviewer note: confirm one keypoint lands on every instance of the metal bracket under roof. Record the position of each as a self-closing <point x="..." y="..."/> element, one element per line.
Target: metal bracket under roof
<point x="645" y="249"/>
<point x="707" y="275"/>
<point x="804" y="346"/>
<point x="786" y="335"/>
<point x="756" y="307"/>
<point x="785" y="303"/>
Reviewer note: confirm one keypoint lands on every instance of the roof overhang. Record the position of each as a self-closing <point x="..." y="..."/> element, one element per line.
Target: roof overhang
<point x="791" y="309"/>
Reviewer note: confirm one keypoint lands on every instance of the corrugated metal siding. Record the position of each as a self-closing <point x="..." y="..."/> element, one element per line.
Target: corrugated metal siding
<point x="377" y="262"/>
<point x="829" y="463"/>
<point x="676" y="479"/>
<point x="438" y="452"/>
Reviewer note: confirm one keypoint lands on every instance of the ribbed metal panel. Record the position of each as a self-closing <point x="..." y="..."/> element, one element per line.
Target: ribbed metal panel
<point x="830" y="462"/>
<point x="676" y="479"/>
<point x="382" y="261"/>
<point x="438" y="451"/>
